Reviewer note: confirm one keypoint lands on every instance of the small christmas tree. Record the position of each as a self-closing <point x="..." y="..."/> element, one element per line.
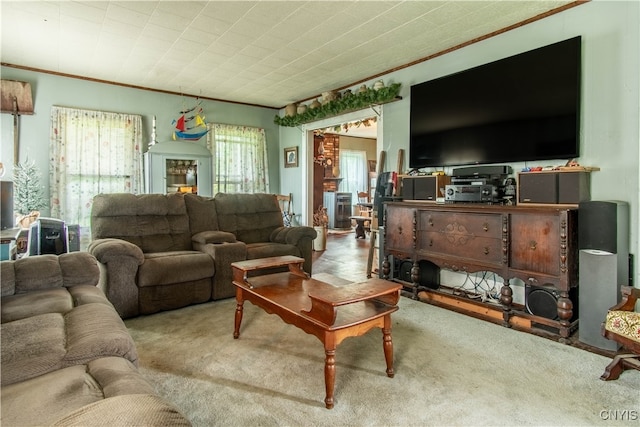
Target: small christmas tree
<point x="28" y="192"/>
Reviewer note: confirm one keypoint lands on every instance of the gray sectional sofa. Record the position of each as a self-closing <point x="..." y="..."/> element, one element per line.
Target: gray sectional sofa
<point x="67" y="357"/>
<point x="161" y="252"/>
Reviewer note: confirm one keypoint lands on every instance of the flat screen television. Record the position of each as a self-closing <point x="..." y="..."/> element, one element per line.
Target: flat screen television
<point x="522" y="108"/>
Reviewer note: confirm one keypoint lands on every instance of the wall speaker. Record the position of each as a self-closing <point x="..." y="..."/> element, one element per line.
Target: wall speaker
<point x="603" y="240"/>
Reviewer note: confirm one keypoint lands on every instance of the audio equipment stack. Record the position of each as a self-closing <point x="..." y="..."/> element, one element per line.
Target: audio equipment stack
<point x="477" y="184"/>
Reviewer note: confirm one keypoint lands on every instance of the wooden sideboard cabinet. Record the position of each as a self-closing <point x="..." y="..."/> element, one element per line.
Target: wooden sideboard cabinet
<point x="537" y="245"/>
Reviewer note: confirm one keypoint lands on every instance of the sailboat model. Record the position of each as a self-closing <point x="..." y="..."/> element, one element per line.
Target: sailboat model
<point x="190" y="126"/>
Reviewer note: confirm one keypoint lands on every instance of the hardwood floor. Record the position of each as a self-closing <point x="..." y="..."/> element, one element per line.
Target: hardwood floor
<point x="345" y="257"/>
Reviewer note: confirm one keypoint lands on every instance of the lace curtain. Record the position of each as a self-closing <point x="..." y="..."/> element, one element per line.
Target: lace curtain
<point x="239" y="159"/>
<point x="91" y="152"/>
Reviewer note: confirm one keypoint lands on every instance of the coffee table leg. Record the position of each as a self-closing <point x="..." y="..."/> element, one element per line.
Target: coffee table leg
<point x="387" y="345"/>
<point x="329" y="375"/>
<point x="238" y="319"/>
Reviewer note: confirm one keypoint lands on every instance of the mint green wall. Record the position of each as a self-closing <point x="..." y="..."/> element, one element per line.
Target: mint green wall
<point x="51" y="90"/>
<point x="610" y="129"/>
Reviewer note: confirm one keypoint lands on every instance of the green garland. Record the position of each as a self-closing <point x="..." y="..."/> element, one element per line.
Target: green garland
<point x="353" y="102"/>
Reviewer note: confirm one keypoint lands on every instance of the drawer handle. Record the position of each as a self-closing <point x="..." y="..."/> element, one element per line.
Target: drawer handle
<point x="430" y="222"/>
<point x="486" y="250"/>
<point x="485" y="226"/>
<point x="532" y="245"/>
<point x="430" y="242"/>
<point x="399" y="230"/>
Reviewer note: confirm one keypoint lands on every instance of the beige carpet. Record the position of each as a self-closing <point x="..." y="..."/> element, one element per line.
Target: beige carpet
<point x="451" y="369"/>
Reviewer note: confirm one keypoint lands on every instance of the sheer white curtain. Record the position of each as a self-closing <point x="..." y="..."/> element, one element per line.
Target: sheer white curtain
<point x="239" y="159"/>
<point x="354" y="172"/>
<point x="91" y="152"/>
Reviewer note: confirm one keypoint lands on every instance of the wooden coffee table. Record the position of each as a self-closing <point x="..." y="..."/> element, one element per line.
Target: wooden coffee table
<point x="330" y="313"/>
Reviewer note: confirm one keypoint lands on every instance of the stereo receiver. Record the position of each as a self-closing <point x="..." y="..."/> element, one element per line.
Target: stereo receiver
<point x="485" y="193"/>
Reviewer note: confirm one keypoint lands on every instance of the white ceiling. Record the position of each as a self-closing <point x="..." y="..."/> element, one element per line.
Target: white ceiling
<point x="267" y="53"/>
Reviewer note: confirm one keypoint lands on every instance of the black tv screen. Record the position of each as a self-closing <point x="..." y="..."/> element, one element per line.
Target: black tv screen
<point x="522" y="108"/>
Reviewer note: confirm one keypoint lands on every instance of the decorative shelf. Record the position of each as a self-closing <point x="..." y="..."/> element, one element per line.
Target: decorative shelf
<point x="345" y="104"/>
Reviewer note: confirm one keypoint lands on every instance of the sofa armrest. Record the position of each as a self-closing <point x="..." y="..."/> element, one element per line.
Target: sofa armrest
<point x="292" y="235"/>
<point x="301" y="237"/>
<point x="212" y="236"/>
<point x="223" y="255"/>
<point x="108" y="250"/>
<point x="40" y="272"/>
<point x="119" y="260"/>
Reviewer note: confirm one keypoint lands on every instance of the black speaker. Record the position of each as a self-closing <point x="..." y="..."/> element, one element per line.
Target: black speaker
<point x="543" y="301"/>
<point x="603" y="239"/>
<point x="488" y="170"/>
<point x="407" y="188"/>
<point x="568" y="188"/>
<point x="537" y="188"/>
<point x="574" y="187"/>
<point x="424" y="187"/>
<point x="603" y="225"/>
<point x="429" y="273"/>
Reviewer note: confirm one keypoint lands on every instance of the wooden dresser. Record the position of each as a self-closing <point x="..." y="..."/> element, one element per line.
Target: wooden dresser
<point x="537" y="245"/>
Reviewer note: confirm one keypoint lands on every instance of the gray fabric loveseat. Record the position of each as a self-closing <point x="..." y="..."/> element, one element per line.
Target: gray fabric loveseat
<point x="162" y="252"/>
<point x="67" y="357"/>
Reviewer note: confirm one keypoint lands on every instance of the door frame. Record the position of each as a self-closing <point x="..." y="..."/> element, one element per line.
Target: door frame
<point x="307" y="154"/>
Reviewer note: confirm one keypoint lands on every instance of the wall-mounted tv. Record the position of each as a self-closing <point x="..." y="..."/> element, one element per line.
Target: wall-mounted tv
<point x="522" y="108"/>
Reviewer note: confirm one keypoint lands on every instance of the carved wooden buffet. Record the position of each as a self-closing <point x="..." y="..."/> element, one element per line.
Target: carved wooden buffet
<point x="537" y="245"/>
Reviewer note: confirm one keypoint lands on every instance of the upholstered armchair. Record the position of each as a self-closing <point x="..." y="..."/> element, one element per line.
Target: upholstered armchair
<point x="622" y="325"/>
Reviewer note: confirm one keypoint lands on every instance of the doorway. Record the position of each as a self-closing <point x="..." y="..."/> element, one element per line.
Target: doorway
<point x="358" y="134"/>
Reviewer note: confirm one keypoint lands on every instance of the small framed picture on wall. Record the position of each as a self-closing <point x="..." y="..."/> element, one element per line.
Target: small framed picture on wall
<point x="291" y="157"/>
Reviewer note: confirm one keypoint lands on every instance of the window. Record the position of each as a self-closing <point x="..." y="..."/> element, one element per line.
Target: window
<point x="91" y="152"/>
<point x="239" y="159"/>
<point x="354" y="171"/>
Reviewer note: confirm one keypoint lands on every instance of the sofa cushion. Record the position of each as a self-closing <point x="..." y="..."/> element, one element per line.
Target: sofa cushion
<point x="48" y="271"/>
<point x="624" y="323"/>
<point x="202" y="213"/>
<point x="39" y="344"/>
<point x="57" y="300"/>
<point x="174" y="267"/>
<point x="96" y="330"/>
<point x="153" y="222"/>
<point x="16" y="307"/>
<point x="32" y="347"/>
<point x="251" y="217"/>
<point x="106" y="391"/>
